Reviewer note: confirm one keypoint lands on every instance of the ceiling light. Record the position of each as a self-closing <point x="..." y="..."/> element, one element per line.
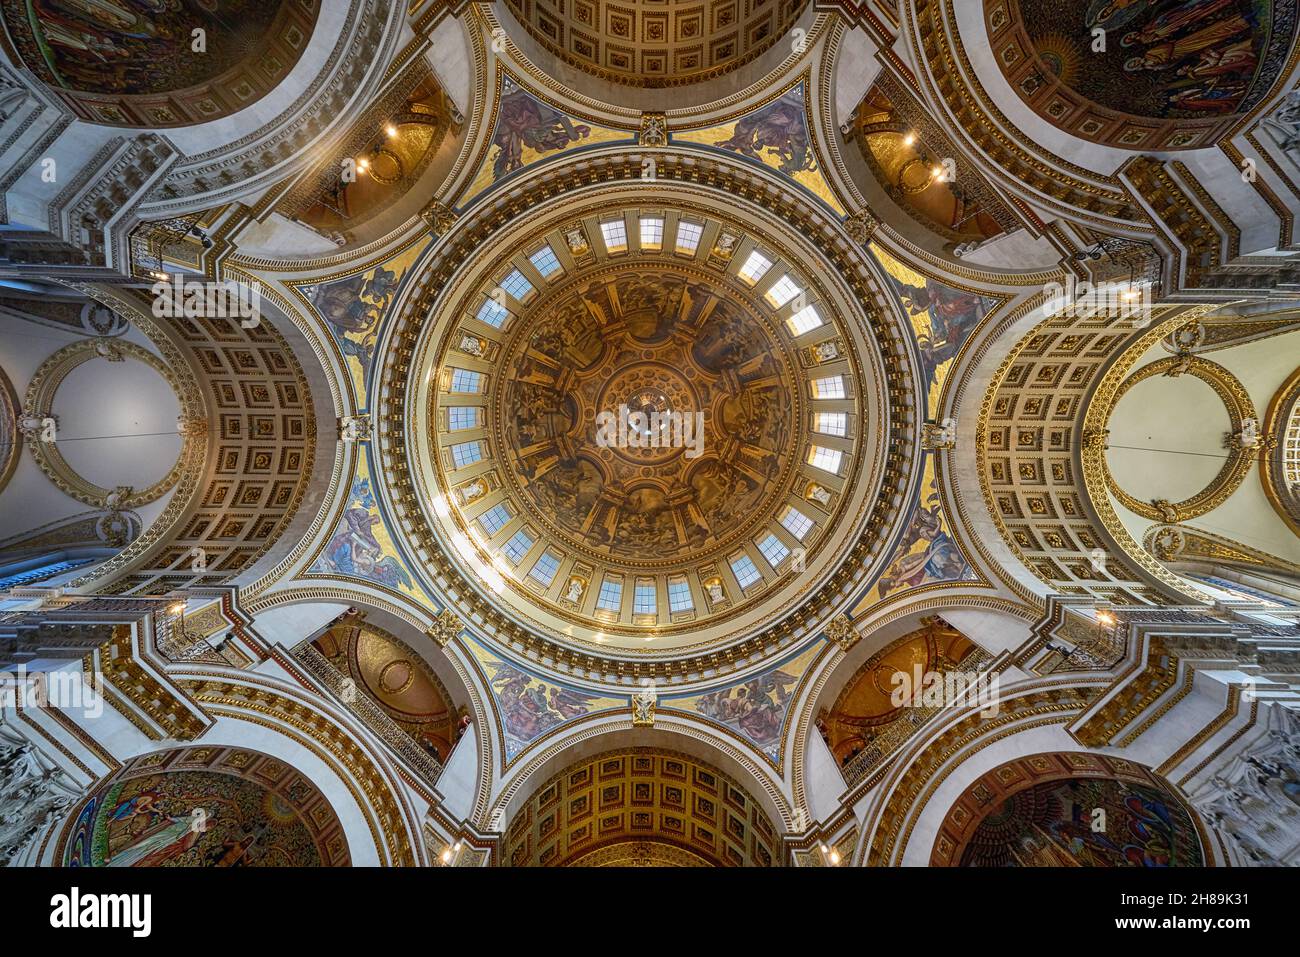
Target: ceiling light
<point x="909" y="139"/>
<point x="391" y="130"/>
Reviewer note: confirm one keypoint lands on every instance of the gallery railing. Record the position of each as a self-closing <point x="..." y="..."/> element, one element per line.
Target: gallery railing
<point x="896" y="733"/>
<point x="373" y="716"/>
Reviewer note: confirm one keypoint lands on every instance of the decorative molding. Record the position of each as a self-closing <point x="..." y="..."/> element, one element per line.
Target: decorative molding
<point x="1235" y="399"/>
<point x="594" y="169"/>
<point x="446" y="629"/>
<point x="39" y="399"/>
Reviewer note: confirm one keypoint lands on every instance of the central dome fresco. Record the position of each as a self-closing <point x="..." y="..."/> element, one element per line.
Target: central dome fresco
<point x="647" y="425"/>
<point x="648" y="415"/>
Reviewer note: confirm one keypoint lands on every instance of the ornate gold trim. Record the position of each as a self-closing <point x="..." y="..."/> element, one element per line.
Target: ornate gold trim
<point x="1214" y="755"/>
<point x="763" y="776"/>
<point x="1284" y="405"/>
<point x="1216" y="724"/>
<point x="1093" y="458"/>
<point x="928" y="767"/>
<point x="11" y="445"/>
<point x="40" y="397"/>
<point x="1102" y="199"/>
<point x="1236" y="400"/>
<point x="590" y="169"/>
<point x="337" y="749"/>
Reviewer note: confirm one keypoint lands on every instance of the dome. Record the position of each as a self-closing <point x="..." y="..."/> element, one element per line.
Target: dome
<point x="639" y="417"/>
<point x="655" y="44"/>
<point x="159" y="64"/>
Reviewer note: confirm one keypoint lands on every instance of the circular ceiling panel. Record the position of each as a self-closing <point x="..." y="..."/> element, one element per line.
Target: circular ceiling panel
<point x="654" y="420"/>
<point x="609" y="399"/>
<point x="642" y="432"/>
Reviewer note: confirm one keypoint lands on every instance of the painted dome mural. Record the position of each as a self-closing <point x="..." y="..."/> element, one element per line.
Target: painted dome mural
<point x="158" y="62"/>
<point x="1150" y="74"/>
<point x="643" y="419"/>
<point x="207" y="807"/>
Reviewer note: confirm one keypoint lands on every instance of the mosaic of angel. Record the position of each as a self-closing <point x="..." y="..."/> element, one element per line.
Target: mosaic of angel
<point x="525" y="122"/>
<point x="943" y="318"/>
<point x="778" y="128"/>
<point x="352" y="308"/>
<point x="355" y="551"/>
<point x="926" y="554"/>
<point x="531" y="707"/>
<point x="756" y="708"/>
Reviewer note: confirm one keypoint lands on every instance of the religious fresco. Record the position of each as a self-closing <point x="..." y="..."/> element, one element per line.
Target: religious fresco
<point x="756" y="708"/>
<point x="1164" y="60"/>
<point x="1032" y="812"/>
<point x="942" y="318"/>
<point x="927" y="553"/>
<point x="133" y="46"/>
<point x="353" y="310"/>
<point x="530" y="706"/>
<point x="656" y="341"/>
<point x="128" y="55"/>
<point x="207" y="807"/>
<point x="396" y="678"/>
<point x="777" y="136"/>
<point x="362" y="546"/>
<point x="528" y="131"/>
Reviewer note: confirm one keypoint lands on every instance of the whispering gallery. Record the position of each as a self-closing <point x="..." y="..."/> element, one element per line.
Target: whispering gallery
<point x="773" y="433"/>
